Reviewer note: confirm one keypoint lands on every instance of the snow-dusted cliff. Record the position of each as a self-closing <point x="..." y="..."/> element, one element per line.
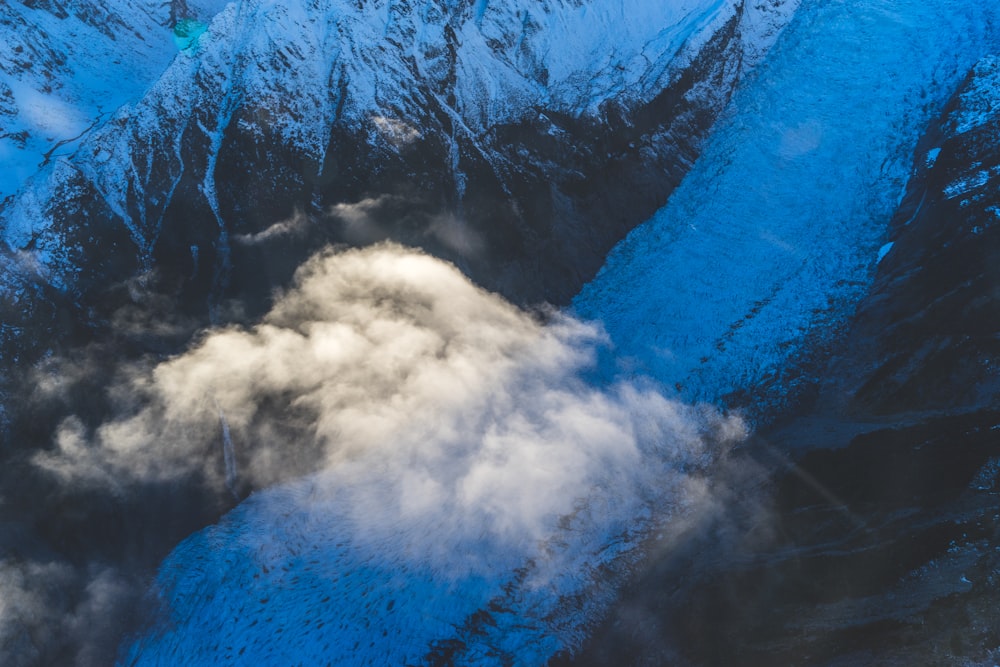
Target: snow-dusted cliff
<point x="66" y="67"/>
<point x="773" y="236"/>
<point x="439" y="477"/>
<point x="882" y="540"/>
<point x="190" y="155"/>
<point x="461" y="110"/>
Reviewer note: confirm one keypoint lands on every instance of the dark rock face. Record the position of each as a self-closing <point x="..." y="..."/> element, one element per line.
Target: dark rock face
<point x="882" y="553"/>
<point x="863" y="529"/>
<point x="929" y="328"/>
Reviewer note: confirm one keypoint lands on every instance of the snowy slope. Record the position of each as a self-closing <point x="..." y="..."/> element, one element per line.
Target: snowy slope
<point x="66" y="67"/>
<point x="131" y="234"/>
<point x="294" y="576"/>
<point x="269" y="84"/>
<point x="776" y="231"/>
<point x="773" y="233"/>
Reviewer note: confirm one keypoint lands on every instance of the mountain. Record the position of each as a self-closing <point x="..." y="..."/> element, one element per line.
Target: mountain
<point x="837" y="535"/>
<point x="279" y="332"/>
<point x="68" y="66"/>
<point x="787" y="212"/>
<point x="865" y="521"/>
<point x="510" y="139"/>
<point x="475" y="131"/>
<point x="173" y="164"/>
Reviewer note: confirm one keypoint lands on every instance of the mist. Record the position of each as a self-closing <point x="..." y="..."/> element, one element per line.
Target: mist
<point x="436" y="450"/>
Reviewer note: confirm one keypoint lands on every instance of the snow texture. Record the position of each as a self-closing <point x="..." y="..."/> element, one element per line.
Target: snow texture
<point x="66" y="67"/>
<point x="774" y="233"/>
<point x="980" y="101"/>
<point x="381" y="68"/>
<point x="421" y="545"/>
<point x="883" y="251"/>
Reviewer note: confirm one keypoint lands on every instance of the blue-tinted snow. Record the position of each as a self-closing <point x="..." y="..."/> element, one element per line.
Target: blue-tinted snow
<point x="883" y="251"/>
<point x="775" y="231"/>
<point x="187" y="32"/>
<point x="65" y="68"/>
<point x="772" y="235"/>
<point x="932" y="156"/>
<point x="980" y="101"/>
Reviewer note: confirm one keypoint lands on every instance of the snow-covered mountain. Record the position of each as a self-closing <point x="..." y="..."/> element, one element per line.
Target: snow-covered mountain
<point x="881" y="540"/>
<point x="787" y="210"/>
<point x="419" y="471"/>
<point x="192" y="154"/>
<point x="520" y="141"/>
<point x="67" y="66"/>
<point x="826" y="133"/>
<point x="483" y="119"/>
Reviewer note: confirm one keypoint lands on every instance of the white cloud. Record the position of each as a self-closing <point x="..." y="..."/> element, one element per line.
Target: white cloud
<point x="449" y="432"/>
<point x="292" y="227"/>
<point x="397" y="132"/>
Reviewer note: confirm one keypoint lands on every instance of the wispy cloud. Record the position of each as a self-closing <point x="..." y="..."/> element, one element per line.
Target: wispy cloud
<point x="295" y="226"/>
<point x="447" y="432"/>
<point x="51" y="604"/>
<point x="444" y="431"/>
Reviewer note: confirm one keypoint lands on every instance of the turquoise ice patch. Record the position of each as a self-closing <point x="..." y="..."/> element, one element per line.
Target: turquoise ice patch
<point x="187" y="32"/>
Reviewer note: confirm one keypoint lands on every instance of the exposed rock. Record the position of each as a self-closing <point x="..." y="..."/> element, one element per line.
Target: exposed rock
<point x="524" y="174"/>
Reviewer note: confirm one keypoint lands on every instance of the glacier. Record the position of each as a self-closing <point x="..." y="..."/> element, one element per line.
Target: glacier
<point x="774" y="235"/>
